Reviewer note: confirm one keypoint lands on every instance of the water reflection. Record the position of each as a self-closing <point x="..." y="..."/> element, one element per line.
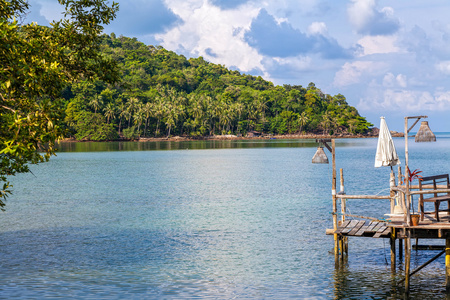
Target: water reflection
<point x="207" y="144"/>
<point x="181" y="145"/>
<point x="366" y="276"/>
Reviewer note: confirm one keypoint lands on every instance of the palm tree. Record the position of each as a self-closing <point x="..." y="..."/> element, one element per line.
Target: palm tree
<point x="261" y="106"/>
<point x="326" y="122"/>
<point x="132" y="104"/>
<point x="96" y="102"/>
<point x="126" y="114"/>
<point x="148" y="112"/>
<point x="110" y="112"/>
<point x="139" y="117"/>
<point x="196" y="106"/>
<point x="170" y="118"/>
<point x="122" y="113"/>
<point x="303" y="120"/>
<point x="158" y="112"/>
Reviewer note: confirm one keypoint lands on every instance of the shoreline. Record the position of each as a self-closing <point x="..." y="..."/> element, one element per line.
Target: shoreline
<point x="233" y="137"/>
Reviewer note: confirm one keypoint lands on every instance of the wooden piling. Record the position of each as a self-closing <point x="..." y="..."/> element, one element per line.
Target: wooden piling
<point x="334" y="198"/>
<point x="400" y="250"/>
<point x="341" y="191"/>
<point x="407" y="261"/>
<point x="392" y="242"/>
<point x="447" y="265"/>
<point x="344" y="248"/>
<point x="407" y="191"/>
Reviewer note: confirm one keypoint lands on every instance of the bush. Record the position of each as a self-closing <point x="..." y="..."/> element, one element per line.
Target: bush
<point x="131" y="133"/>
<point x="92" y="127"/>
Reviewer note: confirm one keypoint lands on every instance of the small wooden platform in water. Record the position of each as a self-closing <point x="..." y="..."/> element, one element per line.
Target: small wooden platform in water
<point x="429" y="228"/>
<point x="366" y="228"/>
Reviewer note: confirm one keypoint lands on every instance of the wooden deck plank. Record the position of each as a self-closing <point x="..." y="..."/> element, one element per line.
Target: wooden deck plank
<point x="365" y="228"/>
<point x="382" y="228"/>
<point x="386" y="231"/>
<point x="379" y="225"/>
<point x="350" y="226"/>
<point x="361" y="231"/>
<point x="373" y="225"/>
<point x="342" y="226"/>
<point x="357" y="227"/>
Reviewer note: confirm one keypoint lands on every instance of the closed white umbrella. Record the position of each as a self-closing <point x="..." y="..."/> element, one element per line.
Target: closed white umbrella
<point x="386" y="154"/>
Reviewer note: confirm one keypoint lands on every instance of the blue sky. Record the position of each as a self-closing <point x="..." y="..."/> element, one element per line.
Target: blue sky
<point x="388" y="58"/>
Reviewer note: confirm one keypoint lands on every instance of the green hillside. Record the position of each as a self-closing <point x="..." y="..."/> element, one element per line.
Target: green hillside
<point x="164" y="94"/>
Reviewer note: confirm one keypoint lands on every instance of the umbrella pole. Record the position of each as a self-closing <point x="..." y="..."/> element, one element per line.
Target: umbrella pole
<point x="392" y="193"/>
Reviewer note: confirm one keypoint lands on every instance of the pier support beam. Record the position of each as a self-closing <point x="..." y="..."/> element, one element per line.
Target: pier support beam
<point x="334" y="199"/>
<point x="447" y="265"/>
<point x="400" y="251"/>
<point x="392" y="242"/>
<point x="344" y="245"/>
<point x="407" y="261"/>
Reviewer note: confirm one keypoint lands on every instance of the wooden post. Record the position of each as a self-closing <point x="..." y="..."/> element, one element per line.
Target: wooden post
<point x="407" y="193"/>
<point x="334" y="198"/>
<point x="343" y="201"/>
<point x="401" y="200"/>
<point x="392" y="242"/>
<point x="343" y="210"/>
<point x="447" y="265"/>
<point x="407" y="260"/>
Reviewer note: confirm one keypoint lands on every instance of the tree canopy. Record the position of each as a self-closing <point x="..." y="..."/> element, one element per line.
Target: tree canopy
<point x="162" y="93"/>
<point x="37" y="63"/>
<point x="70" y="80"/>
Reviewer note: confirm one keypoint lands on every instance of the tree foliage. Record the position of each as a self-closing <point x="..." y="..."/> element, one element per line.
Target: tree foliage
<point x="37" y="64"/>
<point x="163" y="94"/>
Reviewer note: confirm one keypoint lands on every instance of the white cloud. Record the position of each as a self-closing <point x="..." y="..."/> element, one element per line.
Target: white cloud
<point x="319" y="28"/>
<point x="360" y="12"/>
<point x="207" y="28"/>
<point x="401" y="80"/>
<point x="378" y="44"/>
<point x="390" y="80"/>
<point x="298" y="63"/>
<point x="367" y="19"/>
<point x="352" y="73"/>
<point x="406" y="101"/>
<point x="443" y="99"/>
<point x="444" y="67"/>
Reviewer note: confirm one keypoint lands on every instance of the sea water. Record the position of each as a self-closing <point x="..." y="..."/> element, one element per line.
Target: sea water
<point x="204" y="220"/>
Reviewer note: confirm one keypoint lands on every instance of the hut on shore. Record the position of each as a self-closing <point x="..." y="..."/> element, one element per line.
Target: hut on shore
<point x="253" y="134"/>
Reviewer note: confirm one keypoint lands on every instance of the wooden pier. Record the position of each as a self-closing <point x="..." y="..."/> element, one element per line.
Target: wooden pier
<point x="398" y="232"/>
<point x="399" y="226"/>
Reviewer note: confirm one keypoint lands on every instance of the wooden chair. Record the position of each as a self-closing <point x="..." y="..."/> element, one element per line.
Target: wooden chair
<point x="434" y="181"/>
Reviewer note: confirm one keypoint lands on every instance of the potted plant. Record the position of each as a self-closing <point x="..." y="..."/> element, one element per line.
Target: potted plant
<point x="411" y="176"/>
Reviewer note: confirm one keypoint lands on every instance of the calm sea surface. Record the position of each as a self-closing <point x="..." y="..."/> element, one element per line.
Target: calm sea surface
<point x="199" y="220"/>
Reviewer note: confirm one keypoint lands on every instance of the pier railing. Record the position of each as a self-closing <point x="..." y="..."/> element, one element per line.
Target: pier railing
<point x="397" y="191"/>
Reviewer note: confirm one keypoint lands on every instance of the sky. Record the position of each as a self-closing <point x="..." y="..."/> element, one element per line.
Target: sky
<point x="388" y="58"/>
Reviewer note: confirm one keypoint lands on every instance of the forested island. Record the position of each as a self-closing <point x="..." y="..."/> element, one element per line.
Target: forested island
<point x="163" y="94"/>
<point x="70" y="80"/>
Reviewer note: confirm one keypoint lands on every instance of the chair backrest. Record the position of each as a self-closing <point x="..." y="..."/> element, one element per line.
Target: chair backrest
<point x="434" y="181"/>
